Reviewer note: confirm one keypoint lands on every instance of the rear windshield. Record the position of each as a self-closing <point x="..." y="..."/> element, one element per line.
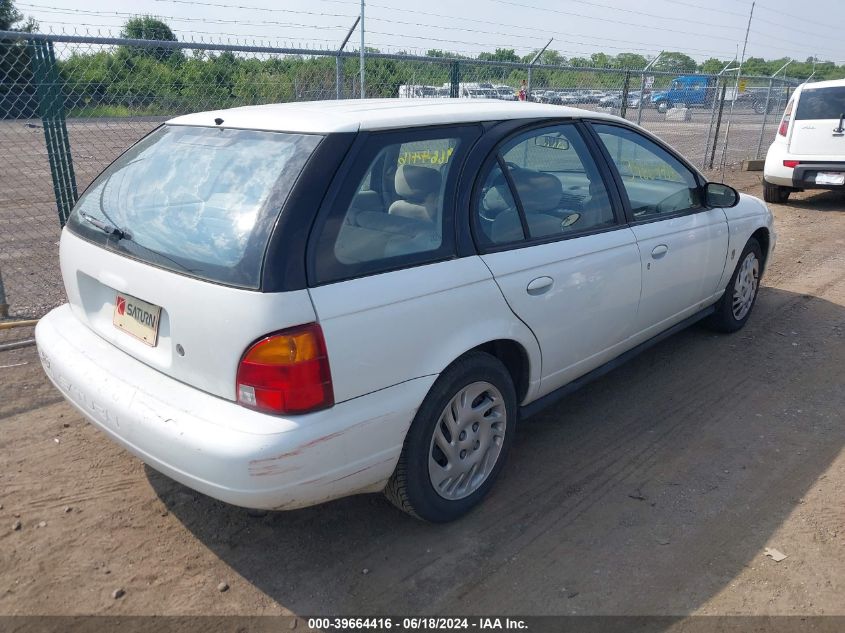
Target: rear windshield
<point x="200" y="201"/>
<point x="821" y="103"/>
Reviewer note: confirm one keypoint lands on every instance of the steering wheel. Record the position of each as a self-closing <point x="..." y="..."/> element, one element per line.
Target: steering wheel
<point x="485" y="212"/>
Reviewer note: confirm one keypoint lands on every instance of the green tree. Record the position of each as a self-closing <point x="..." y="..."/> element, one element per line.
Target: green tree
<point x="10" y="18"/>
<point x="146" y="27"/>
<point x="676" y="62"/>
<point x="712" y="66"/>
<point x="630" y="61"/>
<point x="501" y="55"/>
<point x="17" y="92"/>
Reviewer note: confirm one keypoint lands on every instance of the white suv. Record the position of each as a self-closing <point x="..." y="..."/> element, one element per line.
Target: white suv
<point x="284" y="304"/>
<point x="809" y="148"/>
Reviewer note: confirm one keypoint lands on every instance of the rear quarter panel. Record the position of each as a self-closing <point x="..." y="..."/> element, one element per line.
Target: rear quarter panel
<point x="392" y="327"/>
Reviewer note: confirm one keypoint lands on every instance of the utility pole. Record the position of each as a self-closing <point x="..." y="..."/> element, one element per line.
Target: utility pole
<point x="736" y="89"/>
<point x="363" y="44"/>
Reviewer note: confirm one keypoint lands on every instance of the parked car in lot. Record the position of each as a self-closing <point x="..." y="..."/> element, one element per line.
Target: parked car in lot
<point x="280" y="305"/>
<point x="809" y="148"/>
<point x="505" y="93"/>
<point x="615" y="100"/>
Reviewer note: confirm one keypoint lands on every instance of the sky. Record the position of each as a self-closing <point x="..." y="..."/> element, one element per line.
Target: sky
<point x="700" y="28"/>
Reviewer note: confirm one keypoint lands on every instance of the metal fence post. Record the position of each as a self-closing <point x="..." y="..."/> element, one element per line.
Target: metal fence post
<point x="765" y="116"/>
<point x="642" y="96"/>
<point x="338" y="77"/>
<point x="4" y="305"/>
<point x="339" y="61"/>
<point x="528" y="86"/>
<point x="531" y="66"/>
<point x="715" y="97"/>
<point x="623" y="107"/>
<point x="52" y="110"/>
<point x="642" y="85"/>
<point x="455" y="79"/>
<point x="718" y="124"/>
<point x="766" y="111"/>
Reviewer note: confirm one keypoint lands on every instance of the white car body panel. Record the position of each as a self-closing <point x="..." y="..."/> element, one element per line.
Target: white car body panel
<point x="352" y="115"/>
<point x="591" y="303"/>
<point x="397" y="326"/>
<point x="217" y="447"/>
<point x="687" y="274"/>
<point x="195" y="313"/>
<point x="744" y="219"/>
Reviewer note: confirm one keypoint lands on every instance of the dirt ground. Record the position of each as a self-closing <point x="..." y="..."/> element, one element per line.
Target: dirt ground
<point x="655" y="490"/>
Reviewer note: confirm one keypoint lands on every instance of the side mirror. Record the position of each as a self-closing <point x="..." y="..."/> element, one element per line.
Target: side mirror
<point x="719" y="195"/>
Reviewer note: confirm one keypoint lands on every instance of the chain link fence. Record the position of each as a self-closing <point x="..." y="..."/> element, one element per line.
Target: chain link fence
<point x="69" y="105"/>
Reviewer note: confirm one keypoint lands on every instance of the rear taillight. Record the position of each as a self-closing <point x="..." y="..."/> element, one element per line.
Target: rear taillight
<point x="791" y="163"/>
<point x="784" y="122"/>
<point x="287" y="372"/>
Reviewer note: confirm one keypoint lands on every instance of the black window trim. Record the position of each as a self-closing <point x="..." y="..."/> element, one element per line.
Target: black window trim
<point x="700" y="180"/>
<point x="494" y="156"/>
<point x="354" y="167"/>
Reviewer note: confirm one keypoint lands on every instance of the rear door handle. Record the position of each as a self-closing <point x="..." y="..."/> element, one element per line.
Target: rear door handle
<point x="659" y="251"/>
<point x="539" y="286"/>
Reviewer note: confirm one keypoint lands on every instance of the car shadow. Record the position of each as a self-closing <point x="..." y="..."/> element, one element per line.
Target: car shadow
<point x="646" y="492"/>
<point x="826" y="201"/>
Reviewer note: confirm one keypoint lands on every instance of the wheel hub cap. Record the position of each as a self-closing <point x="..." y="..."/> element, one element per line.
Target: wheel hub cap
<point x="467" y="441"/>
<point x="745" y="286"/>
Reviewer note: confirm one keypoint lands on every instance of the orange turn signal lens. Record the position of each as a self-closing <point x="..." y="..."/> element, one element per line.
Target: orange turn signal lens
<point x="285" y="349"/>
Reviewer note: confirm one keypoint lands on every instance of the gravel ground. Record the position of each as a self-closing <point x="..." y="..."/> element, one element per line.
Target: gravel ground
<point x="655" y="490"/>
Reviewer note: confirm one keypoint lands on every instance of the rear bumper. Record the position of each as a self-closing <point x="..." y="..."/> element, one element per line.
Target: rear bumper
<point x="804" y="175"/>
<point x="207" y="443"/>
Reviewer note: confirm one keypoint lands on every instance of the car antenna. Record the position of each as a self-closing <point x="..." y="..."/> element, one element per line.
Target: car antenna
<point x="218" y="121"/>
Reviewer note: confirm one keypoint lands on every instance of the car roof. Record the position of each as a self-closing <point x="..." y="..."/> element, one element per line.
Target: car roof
<point x="352" y="115"/>
<point x="830" y="83"/>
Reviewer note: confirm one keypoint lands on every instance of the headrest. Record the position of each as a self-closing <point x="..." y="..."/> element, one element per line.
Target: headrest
<point x="539" y="192"/>
<point x="414" y="182"/>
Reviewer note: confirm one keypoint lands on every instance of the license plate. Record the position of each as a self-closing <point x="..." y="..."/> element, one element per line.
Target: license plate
<point x="137" y="318"/>
<point x="830" y="178"/>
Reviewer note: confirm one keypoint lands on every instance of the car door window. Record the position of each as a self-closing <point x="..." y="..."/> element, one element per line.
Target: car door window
<point x="396" y="213"/>
<point x="656" y="182"/>
<point x="543" y="184"/>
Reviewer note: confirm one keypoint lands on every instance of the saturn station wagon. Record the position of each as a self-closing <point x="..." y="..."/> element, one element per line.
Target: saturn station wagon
<point x="281" y="305"/>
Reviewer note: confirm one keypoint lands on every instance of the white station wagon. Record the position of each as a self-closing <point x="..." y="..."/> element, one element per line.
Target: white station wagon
<point x="285" y="304"/>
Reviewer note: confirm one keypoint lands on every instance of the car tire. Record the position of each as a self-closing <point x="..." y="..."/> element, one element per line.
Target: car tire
<point x="662" y="107"/>
<point x="476" y="440"/>
<point x="735" y="306"/>
<point x="775" y="193"/>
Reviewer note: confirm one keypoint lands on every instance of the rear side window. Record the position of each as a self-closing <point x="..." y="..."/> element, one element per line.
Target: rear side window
<point x="396" y="209"/>
<point x="196" y="200"/>
<point x="821" y="103"/>
<point x="543" y="185"/>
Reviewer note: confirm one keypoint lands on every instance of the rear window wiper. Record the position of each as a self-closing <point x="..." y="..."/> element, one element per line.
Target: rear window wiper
<point x="106" y="227"/>
<point x="125" y="234"/>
